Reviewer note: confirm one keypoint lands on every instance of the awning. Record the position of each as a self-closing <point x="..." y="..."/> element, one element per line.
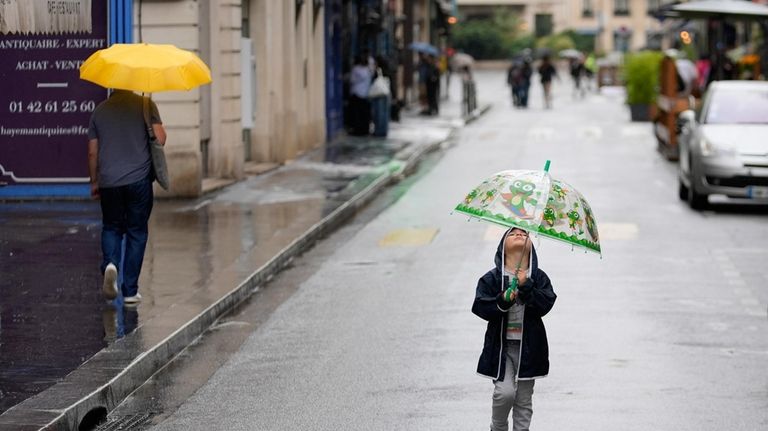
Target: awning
<point x="721" y="9"/>
<point x="31" y="17"/>
<point x="587" y="31"/>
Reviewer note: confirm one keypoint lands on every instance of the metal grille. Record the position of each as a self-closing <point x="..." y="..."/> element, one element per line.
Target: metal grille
<point x="739" y="181"/>
<point x="131" y="422"/>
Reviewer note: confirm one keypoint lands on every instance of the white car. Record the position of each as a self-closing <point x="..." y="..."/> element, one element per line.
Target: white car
<point x="724" y="147"/>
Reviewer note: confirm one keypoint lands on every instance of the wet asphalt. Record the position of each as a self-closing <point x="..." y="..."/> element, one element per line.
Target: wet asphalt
<point x="666" y="331"/>
<point x="52" y="315"/>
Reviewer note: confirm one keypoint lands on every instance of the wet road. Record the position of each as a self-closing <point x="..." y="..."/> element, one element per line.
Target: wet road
<point x="666" y="331"/>
<point x="52" y="315"/>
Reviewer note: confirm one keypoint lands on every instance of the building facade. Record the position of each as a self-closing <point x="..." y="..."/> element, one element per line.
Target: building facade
<point x="266" y="103"/>
<point x="278" y="89"/>
<point x="617" y="25"/>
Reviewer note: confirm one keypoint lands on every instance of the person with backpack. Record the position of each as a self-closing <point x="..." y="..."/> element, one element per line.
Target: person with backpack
<point x="515" y="81"/>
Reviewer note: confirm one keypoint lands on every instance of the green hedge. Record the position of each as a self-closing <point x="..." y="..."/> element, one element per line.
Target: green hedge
<point x="641" y="76"/>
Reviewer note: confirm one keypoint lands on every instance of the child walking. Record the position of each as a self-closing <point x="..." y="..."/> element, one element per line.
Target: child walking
<point x="513" y="297"/>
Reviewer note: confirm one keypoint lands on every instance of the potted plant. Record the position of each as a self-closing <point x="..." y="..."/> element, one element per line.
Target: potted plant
<point x="641" y="77"/>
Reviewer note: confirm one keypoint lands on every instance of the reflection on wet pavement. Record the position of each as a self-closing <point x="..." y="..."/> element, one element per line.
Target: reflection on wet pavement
<point x="50" y="308"/>
<point x="52" y="315"/>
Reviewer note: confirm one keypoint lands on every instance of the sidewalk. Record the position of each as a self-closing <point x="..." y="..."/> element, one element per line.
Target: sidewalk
<point x="72" y="353"/>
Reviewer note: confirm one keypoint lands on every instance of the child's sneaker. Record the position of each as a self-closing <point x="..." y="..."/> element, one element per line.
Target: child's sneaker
<point x="110" y="282"/>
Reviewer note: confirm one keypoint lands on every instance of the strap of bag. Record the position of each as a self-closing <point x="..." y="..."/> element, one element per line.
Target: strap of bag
<point x="147" y="124"/>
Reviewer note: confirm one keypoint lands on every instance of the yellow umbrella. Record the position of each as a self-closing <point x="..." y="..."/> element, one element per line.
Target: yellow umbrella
<point x="145" y="67"/>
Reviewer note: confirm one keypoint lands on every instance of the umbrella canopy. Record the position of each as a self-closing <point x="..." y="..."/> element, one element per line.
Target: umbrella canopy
<point x="424" y="47"/>
<point x="144" y="67"/>
<point x="461" y="59"/>
<point x="570" y="53"/>
<point x="721" y="8"/>
<point x="535" y="202"/>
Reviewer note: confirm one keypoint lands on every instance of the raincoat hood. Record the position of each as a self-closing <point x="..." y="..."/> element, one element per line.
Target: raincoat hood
<point x="499" y="258"/>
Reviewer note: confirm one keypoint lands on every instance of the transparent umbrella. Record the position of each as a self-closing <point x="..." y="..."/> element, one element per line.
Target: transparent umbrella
<point x="535" y="202"/>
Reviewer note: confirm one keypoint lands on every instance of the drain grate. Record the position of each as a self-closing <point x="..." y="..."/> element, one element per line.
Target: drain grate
<point x="130" y="422"/>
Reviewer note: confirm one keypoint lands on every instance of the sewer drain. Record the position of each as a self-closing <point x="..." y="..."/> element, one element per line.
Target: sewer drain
<point x="125" y="422"/>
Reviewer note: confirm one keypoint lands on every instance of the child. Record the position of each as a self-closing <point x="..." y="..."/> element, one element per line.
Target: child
<point x="516" y="350"/>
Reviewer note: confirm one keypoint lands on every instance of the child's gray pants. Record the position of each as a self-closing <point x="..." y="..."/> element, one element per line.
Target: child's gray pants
<point x="510" y="395"/>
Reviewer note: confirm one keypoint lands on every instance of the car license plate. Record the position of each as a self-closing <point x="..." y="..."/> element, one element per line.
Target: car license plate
<point x="757" y="192"/>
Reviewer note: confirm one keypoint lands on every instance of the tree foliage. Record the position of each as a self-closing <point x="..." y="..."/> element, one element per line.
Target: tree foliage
<point x="498" y="37"/>
<point x="502" y="36"/>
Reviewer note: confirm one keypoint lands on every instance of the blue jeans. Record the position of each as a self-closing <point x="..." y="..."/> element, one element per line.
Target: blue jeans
<point x="125" y="212"/>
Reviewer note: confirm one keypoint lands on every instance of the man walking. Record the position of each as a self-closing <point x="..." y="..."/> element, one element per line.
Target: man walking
<point x="120" y="167"/>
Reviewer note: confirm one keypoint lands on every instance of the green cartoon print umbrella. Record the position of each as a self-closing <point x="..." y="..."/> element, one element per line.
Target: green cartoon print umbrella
<point x="535" y="202"/>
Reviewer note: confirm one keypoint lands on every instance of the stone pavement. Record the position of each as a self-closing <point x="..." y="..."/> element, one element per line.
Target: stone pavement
<point x="67" y="354"/>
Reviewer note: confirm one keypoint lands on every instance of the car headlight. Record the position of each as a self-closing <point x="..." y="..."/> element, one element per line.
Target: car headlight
<point x="708" y="149"/>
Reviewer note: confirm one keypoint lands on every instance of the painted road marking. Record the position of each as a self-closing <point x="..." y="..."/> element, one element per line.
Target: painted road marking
<point x="409" y="237"/>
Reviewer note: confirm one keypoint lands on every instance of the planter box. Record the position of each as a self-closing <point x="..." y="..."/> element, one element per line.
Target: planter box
<point x="642" y="112"/>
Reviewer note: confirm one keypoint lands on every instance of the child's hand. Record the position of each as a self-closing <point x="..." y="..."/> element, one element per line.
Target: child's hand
<point x="524" y="290"/>
<point x="501" y="299"/>
<point x="522" y="276"/>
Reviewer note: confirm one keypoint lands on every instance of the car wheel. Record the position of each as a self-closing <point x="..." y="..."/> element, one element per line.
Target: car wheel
<point x="696" y="200"/>
<point x="682" y="190"/>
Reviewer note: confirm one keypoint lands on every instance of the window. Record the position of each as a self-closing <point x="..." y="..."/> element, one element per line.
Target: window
<point x="621" y="7"/>
<point x="737" y="106"/>
<point x="653" y="39"/>
<point x="544" y="25"/>
<point x="587" y="11"/>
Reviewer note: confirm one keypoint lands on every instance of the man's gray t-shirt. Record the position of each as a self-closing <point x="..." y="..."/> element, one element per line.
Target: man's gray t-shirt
<point x="118" y="124"/>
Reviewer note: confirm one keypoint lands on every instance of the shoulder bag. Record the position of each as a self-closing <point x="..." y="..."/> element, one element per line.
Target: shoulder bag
<point x="159" y="166"/>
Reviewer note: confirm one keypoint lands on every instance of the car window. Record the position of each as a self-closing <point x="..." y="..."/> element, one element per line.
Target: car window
<point x="737" y="106"/>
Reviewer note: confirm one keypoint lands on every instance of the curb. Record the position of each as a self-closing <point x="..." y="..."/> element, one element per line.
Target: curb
<point x="477" y="113"/>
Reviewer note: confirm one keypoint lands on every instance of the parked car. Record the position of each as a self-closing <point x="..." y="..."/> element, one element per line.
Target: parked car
<point x="724" y="147"/>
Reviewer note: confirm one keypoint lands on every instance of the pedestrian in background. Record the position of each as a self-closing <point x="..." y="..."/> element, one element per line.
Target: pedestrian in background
<point x="590" y="70"/>
<point x="526" y="84"/>
<point x="380" y="96"/>
<point x="546" y="73"/>
<point x="578" y="73"/>
<point x="120" y="169"/>
<point x="515" y="80"/>
<point x="516" y="351"/>
<point x="359" y="109"/>
<point x="423" y="70"/>
<point x="433" y="85"/>
<point x="519" y="80"/>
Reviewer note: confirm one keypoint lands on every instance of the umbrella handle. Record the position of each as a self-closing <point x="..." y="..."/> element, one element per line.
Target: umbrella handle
<point x="512" y="288"/>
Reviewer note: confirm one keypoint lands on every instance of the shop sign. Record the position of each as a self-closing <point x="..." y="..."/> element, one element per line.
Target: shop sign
<point x="44" y="106"/>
